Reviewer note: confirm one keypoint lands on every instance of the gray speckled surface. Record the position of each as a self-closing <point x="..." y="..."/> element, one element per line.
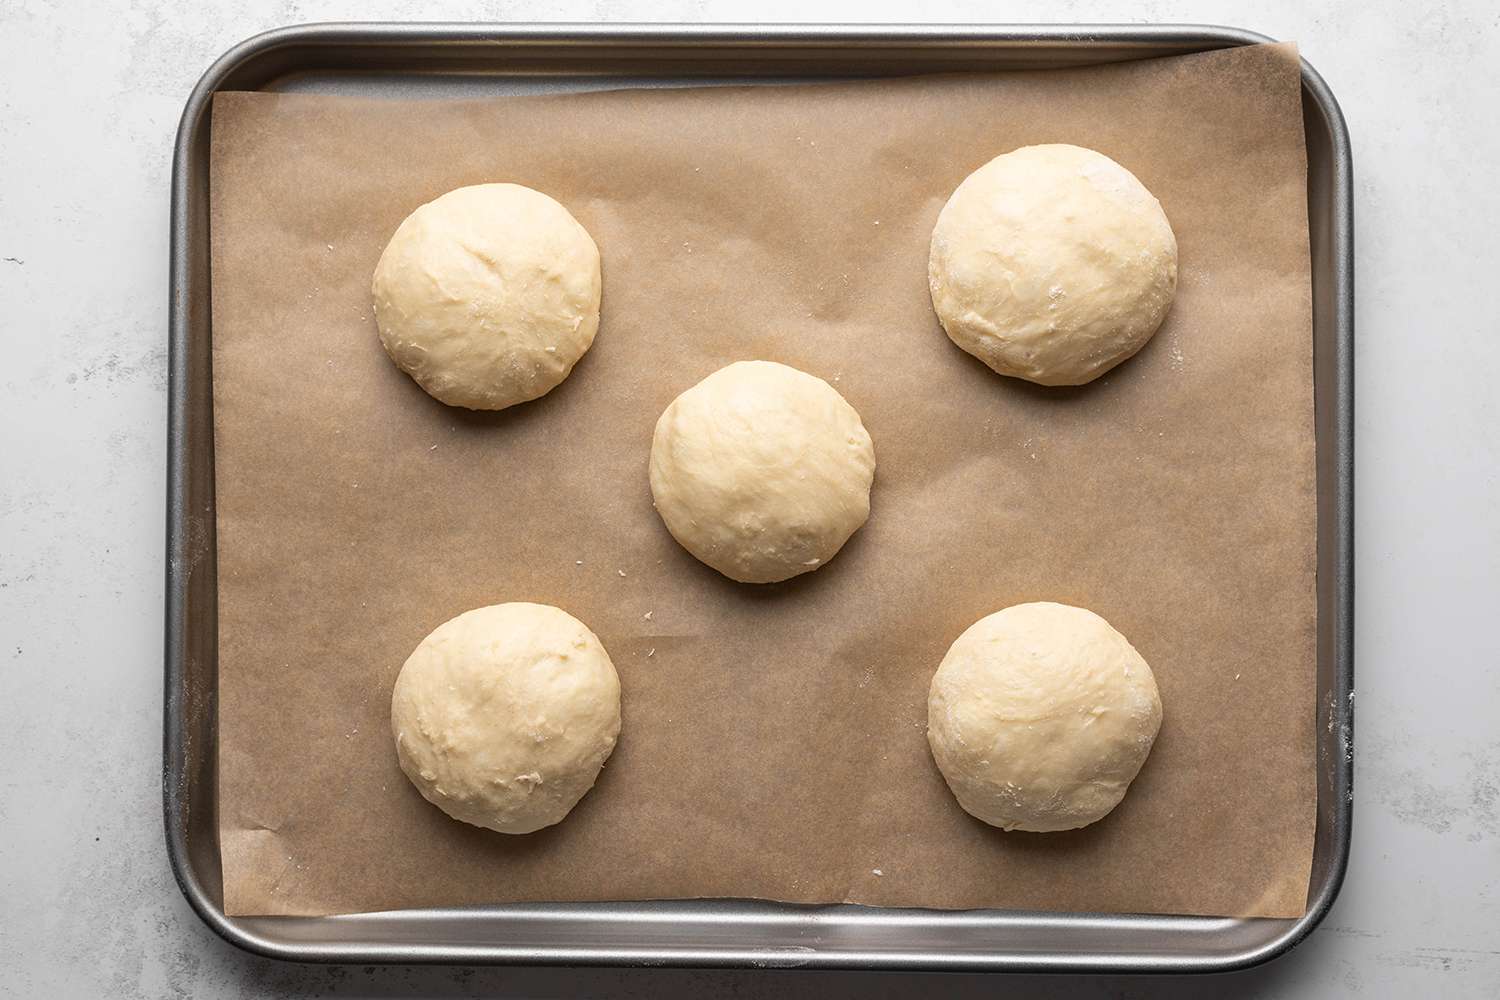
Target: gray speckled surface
<point x="89" y="99"/>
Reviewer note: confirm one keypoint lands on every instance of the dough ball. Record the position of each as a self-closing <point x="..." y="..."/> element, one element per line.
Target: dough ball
<point x="488" y="295"/>
<point x="1040" y="716"/>
<point x="762" y="471"/>
<point x="504" y="715"/>
<point x="1053" y="264"/>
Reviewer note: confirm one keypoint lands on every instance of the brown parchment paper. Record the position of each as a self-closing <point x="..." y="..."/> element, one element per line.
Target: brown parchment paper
<point x="774" y="740"/>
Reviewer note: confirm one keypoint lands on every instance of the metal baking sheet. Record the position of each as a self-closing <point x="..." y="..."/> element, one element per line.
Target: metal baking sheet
<point x="477" y="60"/>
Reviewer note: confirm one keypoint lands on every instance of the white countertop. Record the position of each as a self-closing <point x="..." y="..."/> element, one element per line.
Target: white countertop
<point x="89" y="100"/>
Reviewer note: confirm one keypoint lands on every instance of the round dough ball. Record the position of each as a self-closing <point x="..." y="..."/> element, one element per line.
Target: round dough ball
<point x="1040" y="716"/>
<point x="1053" y="264"/>
<point x="504" y="715"/>
<point x="488" y="295"/>
<point x="762" y="471"/>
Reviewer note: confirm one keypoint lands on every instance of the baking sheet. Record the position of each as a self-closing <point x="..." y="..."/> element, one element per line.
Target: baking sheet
<point x="774" y="738"/>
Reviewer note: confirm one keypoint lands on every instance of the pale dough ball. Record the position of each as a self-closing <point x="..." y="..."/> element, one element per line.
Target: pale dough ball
<point x="762" y="471"/>
<point x="1040" y="716"/>
<point x="488" y="295"/>
<point x="1053" y="264"/>
<point x="504" y="715"/>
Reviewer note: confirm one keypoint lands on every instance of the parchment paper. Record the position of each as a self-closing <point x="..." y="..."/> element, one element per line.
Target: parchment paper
<point x="774" y="737"/>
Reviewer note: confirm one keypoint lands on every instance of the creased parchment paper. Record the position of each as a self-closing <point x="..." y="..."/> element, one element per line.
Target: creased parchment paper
<point x="774" y="740"/>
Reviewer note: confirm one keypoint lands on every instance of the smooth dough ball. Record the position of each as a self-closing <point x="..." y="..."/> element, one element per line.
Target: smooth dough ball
<point x="762" y="471"/>
<point x="504" y="715"/>
<point x="1053" y="264"/>
<point x="488" y="295"/>
<point x="1040" y="716"/>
